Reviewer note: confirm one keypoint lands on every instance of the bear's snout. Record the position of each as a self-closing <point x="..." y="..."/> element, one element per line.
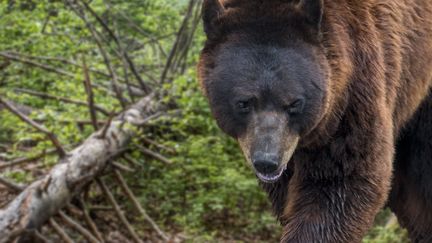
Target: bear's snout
<point x="265" y="163"/>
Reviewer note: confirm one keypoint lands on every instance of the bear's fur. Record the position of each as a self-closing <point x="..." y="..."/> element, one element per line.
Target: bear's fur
<point x="367" y="119"/>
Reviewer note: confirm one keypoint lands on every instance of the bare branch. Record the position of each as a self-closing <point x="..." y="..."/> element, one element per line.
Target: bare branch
<point x="20" y="58"/>
<point x="36" y="64"/>
<point x="41" y="237"/>
<point x="158" y="145"/>
<point x="60" y="60"/>
<point x="11" y="185"/>
<point x="40" y="128"/>
<point x="119" y="45"/>
<point x="122" y="167"/>
<point x="131" y="160"/>
<point x="90" y="98"/>
<point x="90" y="222"/>
<point x="71" y="222"/>
<point x="153" y="154"/>
<point x="63" y="99"/>
<point x="176" y="43"/>
<point x="105" y="56"/>
<point x="137" y="205"/>
<point x="20" y="161"/>
<point x="118" y="210"/>
<point x="60" y="231"/>
<point x="104" y="131"/>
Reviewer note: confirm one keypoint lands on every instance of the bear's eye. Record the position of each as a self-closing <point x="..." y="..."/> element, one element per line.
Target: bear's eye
<point x="296" y="107"/>
<point x="244" y="106"/>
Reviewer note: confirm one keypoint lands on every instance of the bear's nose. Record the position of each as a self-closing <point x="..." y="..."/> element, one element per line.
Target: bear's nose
<point x="265" y="164"/>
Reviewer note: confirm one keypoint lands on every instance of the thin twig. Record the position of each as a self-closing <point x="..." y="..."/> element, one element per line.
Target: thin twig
<point x="114" y="77"/>
<point x="78" y="122"/>
<point x="11" y="185"/>
<point x="131" y="160"/>
<point x="74" y="210"/>
<point x="36" y="64"/>
<point x="105" y="56"/>
<point x="60" y="231"/>
<point x="118" y="43"/>
<point x="63" y="99"/>
<point x="158" y="145"/>
<point x="40" y="128"/>
<point x="90" y="221"/>
<point x="182" y="58"/>
<point x="107" y="125"/>
<point x="126" y="78"/>
<point x="118" y="210"/>
<point x="51" y="68"/>
<point x="148" y="119"/>
<point x="6" y="63"/>
<point x="71" y="222"/>
<point x="41" y="237"/>
<point x="61" y="60"/>
<point x="176" y="43"/>
<point x="155" y="40"/>
<point x="137" y="205"/>
<point x="153" y="154"/>
<point x="20" y="161"/>
<point x="101" y="208"/>
<point x="122" y="167"/>
<point x="90" y="96"/>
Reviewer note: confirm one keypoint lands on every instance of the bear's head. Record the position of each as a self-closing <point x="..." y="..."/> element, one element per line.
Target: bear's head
<point x="265" y="75"/>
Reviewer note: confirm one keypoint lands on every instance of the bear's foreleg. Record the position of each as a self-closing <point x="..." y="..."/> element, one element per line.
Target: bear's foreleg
<point x="336" y="190"/>
<point x="411" y="195"/>
<point x="332" y="211"/>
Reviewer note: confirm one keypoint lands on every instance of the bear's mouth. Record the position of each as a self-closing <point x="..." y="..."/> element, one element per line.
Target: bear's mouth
<point x="287" y="156"/>
<point x="271" y="178"/>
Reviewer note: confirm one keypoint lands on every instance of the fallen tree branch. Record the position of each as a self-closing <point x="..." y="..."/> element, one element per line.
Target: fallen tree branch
<point x="45" y="197"/>
<point x="90" y="223"/>
<point x="158" y="145"/>
<point x="11" y="185"/>
<point x="122" y="167"/>
<point x="63" y="99"/>
<point x="53" y="69"/>
<point x="40" y="237"/>
<point x="117" y="209"/>
<point x="63" y="235"/>
<point x="60" y="150"/>
<point x="26" y="110"/>
<point x="137" y="205"/>
<point x="75" y="225"/>
<point x="58" y="59"/>
<point x="90" y="96"/>
<point x="37" y="64"/>
<point x="27" y="60"/>
<point x="24" y="160"/>
<point x="154" y="155"/>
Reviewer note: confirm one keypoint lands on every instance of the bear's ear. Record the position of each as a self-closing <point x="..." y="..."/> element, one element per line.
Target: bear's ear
<point x="313" y="11"/>
<point x="211" y="11"/>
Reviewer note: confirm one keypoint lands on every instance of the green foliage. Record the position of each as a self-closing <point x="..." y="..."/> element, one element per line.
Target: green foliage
<point x="386" y="230"/>
<point x="392" y="234"/>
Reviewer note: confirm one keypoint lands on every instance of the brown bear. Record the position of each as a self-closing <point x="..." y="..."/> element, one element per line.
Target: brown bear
<point x="331" y="103"/>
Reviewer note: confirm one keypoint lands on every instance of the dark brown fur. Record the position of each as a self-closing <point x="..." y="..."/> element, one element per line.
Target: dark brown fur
<point x="379" y="55"/>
